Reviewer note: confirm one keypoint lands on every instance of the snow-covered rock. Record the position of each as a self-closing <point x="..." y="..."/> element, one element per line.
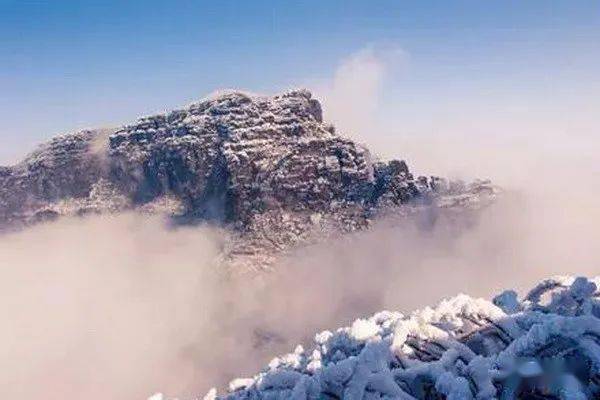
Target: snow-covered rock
<point x="268" y="168"/>
<point x="545" y="346"/>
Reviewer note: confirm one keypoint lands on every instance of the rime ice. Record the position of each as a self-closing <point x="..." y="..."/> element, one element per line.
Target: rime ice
<point x="546" y="344"/>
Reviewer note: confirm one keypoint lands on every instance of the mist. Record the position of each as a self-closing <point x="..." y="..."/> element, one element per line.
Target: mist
<point x="122" y="307"/>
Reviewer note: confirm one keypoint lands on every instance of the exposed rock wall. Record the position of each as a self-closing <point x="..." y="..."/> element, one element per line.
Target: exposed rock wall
<point x="267" y="167"/>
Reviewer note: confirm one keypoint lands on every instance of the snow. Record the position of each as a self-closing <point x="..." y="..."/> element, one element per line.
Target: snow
<point x="211" y="395"/>
<point x="363" y="329"/>
<point x="239" y="383"/>
<point x="279" y="155"/>
<point x="546" y="344"/>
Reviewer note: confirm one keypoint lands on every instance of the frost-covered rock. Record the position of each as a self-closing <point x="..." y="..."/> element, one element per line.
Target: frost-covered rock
<point x="268" y="168"/>
<point x="545" y="346"/>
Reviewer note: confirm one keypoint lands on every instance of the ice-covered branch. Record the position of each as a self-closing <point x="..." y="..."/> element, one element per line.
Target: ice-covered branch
<point x="546" y="345"/>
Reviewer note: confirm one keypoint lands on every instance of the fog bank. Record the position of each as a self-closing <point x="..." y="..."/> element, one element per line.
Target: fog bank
<point x="122" y="307"/>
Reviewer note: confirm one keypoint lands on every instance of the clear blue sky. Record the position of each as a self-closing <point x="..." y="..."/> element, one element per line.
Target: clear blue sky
<point x="71" y="64"/>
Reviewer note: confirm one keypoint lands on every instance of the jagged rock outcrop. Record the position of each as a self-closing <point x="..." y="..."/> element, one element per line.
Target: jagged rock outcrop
<point x="268" y="168"/>
<point x="543" y="346"/>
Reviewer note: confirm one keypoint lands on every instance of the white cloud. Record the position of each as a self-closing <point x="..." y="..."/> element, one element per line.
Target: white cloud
<point x="352" y="97"/>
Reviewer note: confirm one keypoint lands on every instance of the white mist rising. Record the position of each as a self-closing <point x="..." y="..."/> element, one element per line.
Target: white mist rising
<point x="104" y="307"/>
<point x="122" y="307"/>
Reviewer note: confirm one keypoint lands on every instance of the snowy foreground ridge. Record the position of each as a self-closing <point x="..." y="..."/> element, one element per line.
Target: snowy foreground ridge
<point x="544" y="346"/>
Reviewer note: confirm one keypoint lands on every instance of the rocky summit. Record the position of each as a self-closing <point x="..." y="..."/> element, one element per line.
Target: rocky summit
<point x="267" y="169"/>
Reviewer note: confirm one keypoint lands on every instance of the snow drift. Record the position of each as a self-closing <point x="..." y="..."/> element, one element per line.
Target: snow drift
<point x="545" y="345"/>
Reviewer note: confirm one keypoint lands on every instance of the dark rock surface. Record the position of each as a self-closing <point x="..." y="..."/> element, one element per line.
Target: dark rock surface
<point x="266" y="168"/>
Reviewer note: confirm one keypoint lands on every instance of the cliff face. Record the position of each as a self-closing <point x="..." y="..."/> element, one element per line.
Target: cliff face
<point x="235" y="156"/>
<point x="269" y="168"/>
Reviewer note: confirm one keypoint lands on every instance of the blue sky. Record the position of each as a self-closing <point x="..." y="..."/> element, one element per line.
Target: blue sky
<point x="72" y="64"/>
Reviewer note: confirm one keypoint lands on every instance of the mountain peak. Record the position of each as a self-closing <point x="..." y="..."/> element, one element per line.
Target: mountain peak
<point x="261" y="165"/>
